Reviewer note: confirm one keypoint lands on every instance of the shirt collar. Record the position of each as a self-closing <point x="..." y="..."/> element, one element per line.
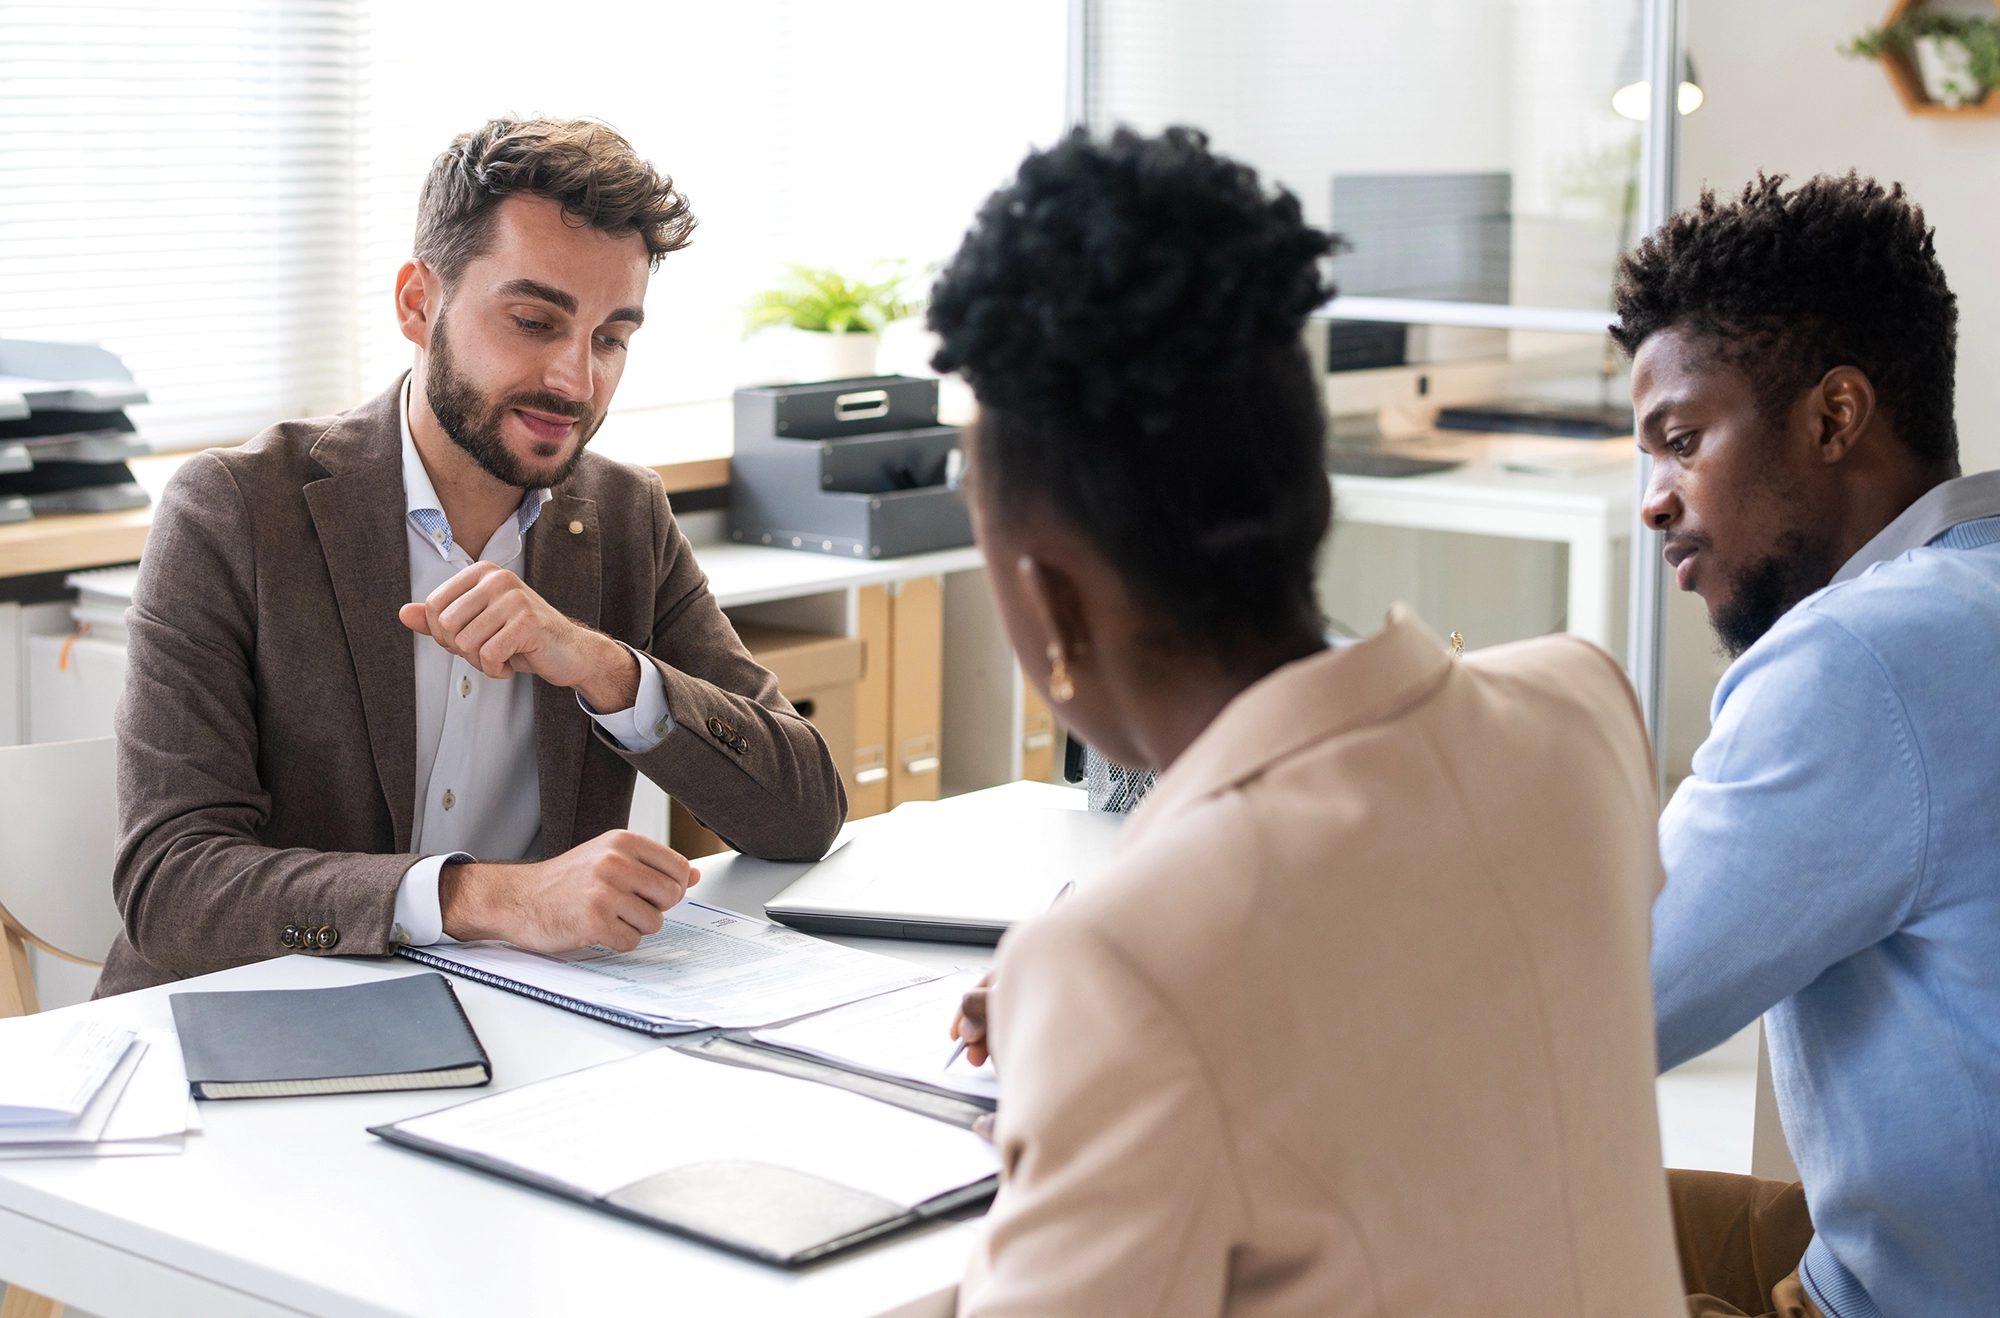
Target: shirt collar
<point x="420" y="500"/>
<point x="1967" y="499"/>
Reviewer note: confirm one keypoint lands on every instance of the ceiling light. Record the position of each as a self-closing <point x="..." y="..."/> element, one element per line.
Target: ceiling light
<point x="1635" y="99"/>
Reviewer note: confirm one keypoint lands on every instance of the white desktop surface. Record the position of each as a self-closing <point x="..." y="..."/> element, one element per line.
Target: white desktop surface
<point x="753" y="574"/>
<point x="1590" y="513"/>
<point x="289" y="1206"/>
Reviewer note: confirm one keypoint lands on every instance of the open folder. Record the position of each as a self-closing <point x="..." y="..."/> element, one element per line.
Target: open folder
<point x="781" y="1169"/>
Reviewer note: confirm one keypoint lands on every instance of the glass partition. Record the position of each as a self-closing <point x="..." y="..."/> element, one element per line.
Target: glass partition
<point x="1485" y="160"/>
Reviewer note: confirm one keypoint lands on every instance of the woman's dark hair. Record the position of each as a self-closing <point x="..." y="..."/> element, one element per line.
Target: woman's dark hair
<point x="1785" y="286"/>
<point x="1129" y="314"/>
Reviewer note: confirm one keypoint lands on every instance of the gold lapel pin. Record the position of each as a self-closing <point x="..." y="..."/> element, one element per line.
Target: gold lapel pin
<point x="1457" y="645"/>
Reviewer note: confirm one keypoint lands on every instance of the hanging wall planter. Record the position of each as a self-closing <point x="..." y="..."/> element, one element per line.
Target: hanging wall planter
<point x="1939" y="63"/>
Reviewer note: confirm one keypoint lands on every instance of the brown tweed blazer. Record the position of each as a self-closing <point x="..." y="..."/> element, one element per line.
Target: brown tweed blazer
<point x="266" y="740"/>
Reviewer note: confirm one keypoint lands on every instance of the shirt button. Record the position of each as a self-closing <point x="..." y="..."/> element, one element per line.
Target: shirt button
<point x="438" y="536"/>
<point x="464" y="686"/>
<point x="450" y="799"/>
<point x="576" y="528"/>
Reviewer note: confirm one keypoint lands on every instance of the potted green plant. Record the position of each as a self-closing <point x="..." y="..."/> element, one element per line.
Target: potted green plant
<point x="840" y="318"/>
<point x="1957" y="55"/>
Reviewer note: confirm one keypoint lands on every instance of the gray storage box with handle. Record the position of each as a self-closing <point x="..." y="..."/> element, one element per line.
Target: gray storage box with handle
<point x="858" y="468"/>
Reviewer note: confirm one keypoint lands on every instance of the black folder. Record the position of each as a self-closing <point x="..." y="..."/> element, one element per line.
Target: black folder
<point x="737" y="1189"/>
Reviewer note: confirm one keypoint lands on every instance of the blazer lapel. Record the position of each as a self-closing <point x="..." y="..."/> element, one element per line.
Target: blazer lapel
<point x="565" y="568"/>
<point x="357" y="509"/>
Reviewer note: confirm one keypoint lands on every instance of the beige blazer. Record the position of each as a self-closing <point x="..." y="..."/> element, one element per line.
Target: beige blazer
<point x="266" y="738"/>
<point x="1359" y="1021"/>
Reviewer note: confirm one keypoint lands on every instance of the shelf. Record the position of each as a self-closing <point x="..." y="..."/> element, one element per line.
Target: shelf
<point x="66" y="544"/>
<point x="1475" y="315"/>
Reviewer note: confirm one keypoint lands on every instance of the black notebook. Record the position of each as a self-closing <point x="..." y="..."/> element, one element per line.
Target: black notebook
<point x="405" y="1033"/>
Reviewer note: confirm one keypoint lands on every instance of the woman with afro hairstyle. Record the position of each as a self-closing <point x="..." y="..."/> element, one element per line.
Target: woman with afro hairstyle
<point x="1358" y="1021"/>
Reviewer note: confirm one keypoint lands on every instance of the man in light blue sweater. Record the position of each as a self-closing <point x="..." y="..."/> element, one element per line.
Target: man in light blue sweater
<point x="1833" y="864"/>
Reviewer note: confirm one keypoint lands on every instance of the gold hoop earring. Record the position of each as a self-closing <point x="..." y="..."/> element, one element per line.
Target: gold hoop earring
<point x="1061" y="688"/>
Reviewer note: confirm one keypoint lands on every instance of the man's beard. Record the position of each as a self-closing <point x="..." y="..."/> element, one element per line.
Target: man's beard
<point x="1767" y="589"/>
<point x="473" y="421"/>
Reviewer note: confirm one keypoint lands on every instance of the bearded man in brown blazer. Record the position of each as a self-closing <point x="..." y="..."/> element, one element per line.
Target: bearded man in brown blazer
<point x="367" y="651"/>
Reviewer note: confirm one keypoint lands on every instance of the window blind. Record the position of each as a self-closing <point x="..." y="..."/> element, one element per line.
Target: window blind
<point x="177" y="183"/>
<point x="222" y="191"/>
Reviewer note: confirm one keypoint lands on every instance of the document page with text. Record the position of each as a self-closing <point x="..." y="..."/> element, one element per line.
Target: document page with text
<point x="903" y="1035"/>
<point x="705" y="968"/>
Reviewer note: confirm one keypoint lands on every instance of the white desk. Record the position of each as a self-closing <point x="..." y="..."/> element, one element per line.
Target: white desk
<point x="1591" y="514"/>
<point x="756" y="574"/>
<point x="289" y="1206"/>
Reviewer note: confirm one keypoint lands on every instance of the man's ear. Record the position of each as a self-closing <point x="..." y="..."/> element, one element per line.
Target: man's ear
<point x="418" y="292"/>
<point x="1057" y="606"/>
<point x="1844" y="407"/>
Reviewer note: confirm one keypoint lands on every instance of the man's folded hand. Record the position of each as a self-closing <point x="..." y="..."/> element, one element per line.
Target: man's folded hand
<point x="490" y="618"/>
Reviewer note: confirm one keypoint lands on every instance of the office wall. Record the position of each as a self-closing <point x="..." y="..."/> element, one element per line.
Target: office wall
<point x="1781" y="98"/>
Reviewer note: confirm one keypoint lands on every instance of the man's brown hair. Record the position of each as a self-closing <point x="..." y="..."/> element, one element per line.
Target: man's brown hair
<point x="586" y="168"/>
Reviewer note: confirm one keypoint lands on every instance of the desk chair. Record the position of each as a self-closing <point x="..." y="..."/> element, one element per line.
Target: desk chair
<point x="58" y="826"/>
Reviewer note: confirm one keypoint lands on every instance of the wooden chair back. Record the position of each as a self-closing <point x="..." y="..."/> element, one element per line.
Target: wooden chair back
<point x="58" y="830"/>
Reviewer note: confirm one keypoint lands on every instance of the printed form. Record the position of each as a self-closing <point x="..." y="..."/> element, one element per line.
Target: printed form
<point x="903" y="1035"/>
<point x="704" y="968"/>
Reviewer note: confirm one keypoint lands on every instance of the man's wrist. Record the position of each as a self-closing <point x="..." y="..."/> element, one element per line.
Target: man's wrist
<point x="465" y="890"/>
<point x="613" y="684"/>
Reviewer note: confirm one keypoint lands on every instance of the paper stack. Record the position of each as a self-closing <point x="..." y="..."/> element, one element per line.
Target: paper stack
<point x="83" y="1088"/>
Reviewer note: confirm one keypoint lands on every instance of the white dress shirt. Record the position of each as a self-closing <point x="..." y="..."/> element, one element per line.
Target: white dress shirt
<point x="479" y="792"/>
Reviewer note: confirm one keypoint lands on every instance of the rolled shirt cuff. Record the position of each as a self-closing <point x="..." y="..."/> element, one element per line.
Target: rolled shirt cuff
<point x="419" y="919"/>
<point x="647" y="723"/>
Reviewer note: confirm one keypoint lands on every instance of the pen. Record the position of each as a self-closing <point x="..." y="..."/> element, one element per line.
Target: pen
<point x="958" y="1051"/>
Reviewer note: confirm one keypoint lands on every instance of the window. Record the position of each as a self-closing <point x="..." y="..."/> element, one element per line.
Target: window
<point x="176" y="182"/>
<point x="222" y="192"/>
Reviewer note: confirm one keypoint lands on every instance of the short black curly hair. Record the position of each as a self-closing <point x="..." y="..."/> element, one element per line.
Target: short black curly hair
<point x="1785" y="286"/>
<point x="1129" y="313"/>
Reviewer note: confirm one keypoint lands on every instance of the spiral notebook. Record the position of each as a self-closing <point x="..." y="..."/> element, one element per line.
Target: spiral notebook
<point x="706" y="968"/>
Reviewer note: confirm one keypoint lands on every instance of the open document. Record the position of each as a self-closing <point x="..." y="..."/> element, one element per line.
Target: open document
<point x="901" y="1036"/>
<point x="140" y="1108"/>
<point x="781" y="1169"/>
<point x="706" y="968"/>
<point x="52" y="1067"/>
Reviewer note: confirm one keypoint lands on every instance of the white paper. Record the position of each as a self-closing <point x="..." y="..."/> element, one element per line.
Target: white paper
<point x="88" y="1127"/>
<point x="706" y="967"/>
<point x="904" y="1034"/>
<point x="102" y="1149"/>
<point x="615" y="1125"/>
<point x="52" y="1066"/>
<point x="155" y="1103"/>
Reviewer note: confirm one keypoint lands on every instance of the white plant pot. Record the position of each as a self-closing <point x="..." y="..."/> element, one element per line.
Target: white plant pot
<point x="1945" y="65"/>
<point x="823" y="356"/>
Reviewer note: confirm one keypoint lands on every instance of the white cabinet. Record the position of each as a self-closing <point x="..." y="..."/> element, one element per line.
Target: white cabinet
<point x="73" y="686"/>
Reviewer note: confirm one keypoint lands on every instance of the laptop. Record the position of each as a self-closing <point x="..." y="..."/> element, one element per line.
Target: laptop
<point x="953" y="873"/>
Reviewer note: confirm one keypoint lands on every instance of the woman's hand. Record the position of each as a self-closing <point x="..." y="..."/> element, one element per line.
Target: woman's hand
<point x="969" y="1026"/>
